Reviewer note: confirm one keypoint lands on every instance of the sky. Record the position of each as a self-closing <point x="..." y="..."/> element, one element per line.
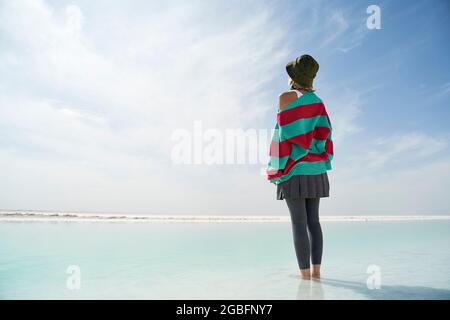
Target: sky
<point x="93" y="92"/>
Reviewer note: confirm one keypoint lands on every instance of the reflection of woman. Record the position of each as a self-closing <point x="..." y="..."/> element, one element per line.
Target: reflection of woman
<point x="300" y="155"/>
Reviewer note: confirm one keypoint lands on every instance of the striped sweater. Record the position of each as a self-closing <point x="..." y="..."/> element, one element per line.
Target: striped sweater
<point x="301" y="142"/>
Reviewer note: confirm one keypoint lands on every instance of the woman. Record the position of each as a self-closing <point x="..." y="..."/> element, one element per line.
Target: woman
<point x="300" y="155"/>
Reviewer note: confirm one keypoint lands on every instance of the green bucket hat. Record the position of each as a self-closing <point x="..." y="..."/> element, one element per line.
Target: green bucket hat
<point x="303" y="70"/>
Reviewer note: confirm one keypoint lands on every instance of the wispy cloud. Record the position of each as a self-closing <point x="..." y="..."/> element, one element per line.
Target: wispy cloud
<point x="89" y="95"/>
<point x="335" y="27"/>
<point x="400" y="148"/>
<point x="420" y="189"/>
<point x="345" y="110"/>
<point x="444" y="90"/>
<point x="342" y="30"/>
<point x="82" y="104"/>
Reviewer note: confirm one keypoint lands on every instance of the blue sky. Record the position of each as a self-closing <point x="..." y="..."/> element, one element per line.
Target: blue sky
<point x="90" y="93"/>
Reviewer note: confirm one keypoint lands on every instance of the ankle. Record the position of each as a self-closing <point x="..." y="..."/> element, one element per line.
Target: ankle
<point x="305" y="273"/>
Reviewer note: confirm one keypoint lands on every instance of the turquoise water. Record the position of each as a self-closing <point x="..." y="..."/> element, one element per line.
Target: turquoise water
<point x="162" y="260"/>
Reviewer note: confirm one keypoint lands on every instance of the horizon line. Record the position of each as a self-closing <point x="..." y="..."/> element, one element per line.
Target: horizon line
<point x="40" y="215"/>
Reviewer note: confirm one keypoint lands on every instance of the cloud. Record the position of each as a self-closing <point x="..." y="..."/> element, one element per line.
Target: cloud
<point x="419" y="189"/>
<point x="344" y="110"/>
<point x="90" y="94"/>
<point x="336" y="26"/>
<point x="74" y="20"/>
<point x="445" y="89"/>
<point x="88" y="101"/>
<point x="343" y="30"/>
<point x="403" y="147"/>
<point x="395" y="152"/>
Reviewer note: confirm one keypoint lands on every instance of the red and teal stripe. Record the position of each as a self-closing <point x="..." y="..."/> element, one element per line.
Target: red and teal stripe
<point x="301" y="142"/>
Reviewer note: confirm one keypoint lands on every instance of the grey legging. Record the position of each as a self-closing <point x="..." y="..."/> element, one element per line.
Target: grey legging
<point x="305" y="217"/>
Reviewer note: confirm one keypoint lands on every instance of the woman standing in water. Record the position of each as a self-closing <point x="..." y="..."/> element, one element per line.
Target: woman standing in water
<point x="300" y="155"/>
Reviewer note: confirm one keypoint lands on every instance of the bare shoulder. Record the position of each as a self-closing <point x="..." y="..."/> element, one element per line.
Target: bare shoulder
<point x="285" y="98"/>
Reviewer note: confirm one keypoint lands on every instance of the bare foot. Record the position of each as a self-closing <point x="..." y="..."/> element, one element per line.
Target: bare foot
<point x="316" y="271"/>
<point x="305" y="274"/>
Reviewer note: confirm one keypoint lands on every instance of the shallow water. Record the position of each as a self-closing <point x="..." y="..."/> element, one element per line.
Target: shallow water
<point x="188" y="260"/>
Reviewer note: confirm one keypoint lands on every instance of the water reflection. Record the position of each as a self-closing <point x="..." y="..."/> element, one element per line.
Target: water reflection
<point x="310" y="290"/>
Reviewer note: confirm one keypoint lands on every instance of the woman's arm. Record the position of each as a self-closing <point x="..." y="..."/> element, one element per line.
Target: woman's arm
<point x="279" y="154"/>
<point x="279" y="150"/>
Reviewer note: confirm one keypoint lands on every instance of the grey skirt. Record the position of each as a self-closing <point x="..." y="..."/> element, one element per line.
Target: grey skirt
<point x="304" y="186"/>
